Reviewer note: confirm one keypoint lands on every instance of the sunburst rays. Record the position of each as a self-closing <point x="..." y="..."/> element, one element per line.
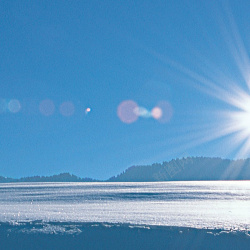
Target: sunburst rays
<point x="232" y="119"/>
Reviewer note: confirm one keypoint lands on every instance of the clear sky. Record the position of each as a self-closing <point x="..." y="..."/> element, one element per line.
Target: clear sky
<point x="93" y="87"/>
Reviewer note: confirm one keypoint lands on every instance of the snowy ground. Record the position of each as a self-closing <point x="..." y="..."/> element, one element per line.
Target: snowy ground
<point x="221" y="204"/>
<point x="173" y="215"/>
<point x="58" y="235"/>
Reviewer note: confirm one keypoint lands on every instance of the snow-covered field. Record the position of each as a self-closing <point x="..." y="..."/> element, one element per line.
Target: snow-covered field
<point x="217" y="204"/>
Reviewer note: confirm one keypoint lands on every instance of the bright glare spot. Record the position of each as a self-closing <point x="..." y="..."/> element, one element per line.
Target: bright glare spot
<point x="156" y="113"/>
<point x="242" y="121"/>
<point x="14" y="106"/>
<point x="87" y="110"/>
<point x="126" y="111"/>
<point x="67" y="108"/>
<point x="47" y="107"/>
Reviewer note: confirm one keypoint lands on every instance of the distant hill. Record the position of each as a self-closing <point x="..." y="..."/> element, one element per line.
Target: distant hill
<point x="64" y="177"/>
<point x="6" y="179"/>
<point x="185" y="169"/>
<point x="188" y="169"/>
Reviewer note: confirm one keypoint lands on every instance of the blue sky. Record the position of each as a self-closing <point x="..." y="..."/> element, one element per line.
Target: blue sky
<point x="190" y="59"/>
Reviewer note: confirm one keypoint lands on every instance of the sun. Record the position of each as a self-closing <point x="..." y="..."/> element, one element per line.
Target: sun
<point x="228" y="120"/>
<point x="243" y="121"/>
<point x="237" y="122"/>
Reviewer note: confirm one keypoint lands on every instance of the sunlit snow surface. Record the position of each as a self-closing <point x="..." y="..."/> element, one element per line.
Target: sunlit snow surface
<point x="217" y="204"/>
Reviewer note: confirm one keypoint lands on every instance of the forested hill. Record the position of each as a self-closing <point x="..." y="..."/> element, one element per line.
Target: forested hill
<point x="187" y="169"/>
<point x="64" y="177"/>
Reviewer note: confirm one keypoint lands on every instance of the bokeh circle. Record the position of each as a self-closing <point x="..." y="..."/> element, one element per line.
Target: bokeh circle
<point x="47" y="107"/>
<point x="126" y="111"/>
<point x="67" y="108"/>
<point x="14" y="106"/>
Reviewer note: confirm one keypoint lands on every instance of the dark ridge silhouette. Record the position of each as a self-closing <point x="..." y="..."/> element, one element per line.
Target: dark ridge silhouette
<point x="6" y="179"/>
<point x="188" y="169"/>
<point x="185" y="169"/>
<point x="64" y="177"/>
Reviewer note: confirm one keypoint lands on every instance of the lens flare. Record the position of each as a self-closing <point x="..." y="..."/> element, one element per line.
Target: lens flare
<point x="67" y="108"/>
<point x="87" y="110"/>
<point x="14" y="106"/>
<point x="156" y="113"/>
<point x="142" y="112"/>
<point x="126" y="111"/>
<point x="47" y="107"/>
